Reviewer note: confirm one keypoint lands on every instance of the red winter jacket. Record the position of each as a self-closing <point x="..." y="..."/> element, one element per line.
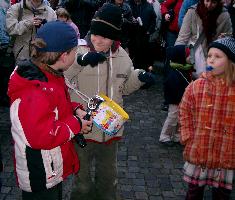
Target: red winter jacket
<point x="43" y="125"/>
<point x="14" y="2"/>
<point x="176" y="5"/>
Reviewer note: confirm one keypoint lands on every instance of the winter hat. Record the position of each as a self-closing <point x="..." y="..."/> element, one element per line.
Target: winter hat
<point x="227" y="45"/>
<point x="107" y="22"/>
<point x="59" y="37"/>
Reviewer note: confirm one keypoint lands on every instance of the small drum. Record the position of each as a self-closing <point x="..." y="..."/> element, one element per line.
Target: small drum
<point x="109" y="116"/>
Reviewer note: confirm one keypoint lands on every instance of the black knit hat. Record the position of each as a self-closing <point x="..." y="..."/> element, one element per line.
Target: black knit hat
<point x="227" y="45"/>
<point x="107" y="22"/>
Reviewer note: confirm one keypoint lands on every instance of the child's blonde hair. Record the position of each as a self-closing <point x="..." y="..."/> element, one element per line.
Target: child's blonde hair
<point x="229" y="73"/>
<point x="62" y="12"/>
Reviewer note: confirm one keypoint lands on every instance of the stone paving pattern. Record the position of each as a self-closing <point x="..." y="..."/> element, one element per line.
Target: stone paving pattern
<point x="147" y="170"/>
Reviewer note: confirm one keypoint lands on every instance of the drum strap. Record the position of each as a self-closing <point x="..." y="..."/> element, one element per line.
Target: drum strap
<point x="84" y="97"/>
<point x="109" y="75"/>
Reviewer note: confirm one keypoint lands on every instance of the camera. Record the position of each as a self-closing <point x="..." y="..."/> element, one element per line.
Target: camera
<point x="43" y="21"/>
<point x="80" y="140"/>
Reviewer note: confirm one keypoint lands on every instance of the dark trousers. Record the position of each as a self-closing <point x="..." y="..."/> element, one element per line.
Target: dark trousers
<point x="104" y="185"/>
<point x="54" y="193"/>
<point x="196" y="193"/>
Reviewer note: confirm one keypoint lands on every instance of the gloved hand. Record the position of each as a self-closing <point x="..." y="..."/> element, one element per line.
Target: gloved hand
<point x="147" y="77"/>
<point x="91" y="58"/>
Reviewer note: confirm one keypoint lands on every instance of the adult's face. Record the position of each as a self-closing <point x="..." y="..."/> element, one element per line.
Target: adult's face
<point x="36" y="3"/>
<point x="210" y="4"/>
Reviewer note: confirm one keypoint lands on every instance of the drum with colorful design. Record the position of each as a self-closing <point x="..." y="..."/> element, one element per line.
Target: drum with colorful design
<point x="109" y="117"/>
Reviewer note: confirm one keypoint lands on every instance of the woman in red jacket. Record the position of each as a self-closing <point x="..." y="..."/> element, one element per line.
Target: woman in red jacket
<point x="170" y="13"/>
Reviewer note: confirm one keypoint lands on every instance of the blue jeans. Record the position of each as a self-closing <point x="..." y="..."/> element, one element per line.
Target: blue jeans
<point x="171" y="38"/>
<point x="4" y="37"/>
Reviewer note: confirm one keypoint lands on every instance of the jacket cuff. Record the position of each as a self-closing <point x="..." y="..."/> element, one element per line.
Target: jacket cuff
<point x="76" y="106"/>
<point x="74" y="124"/>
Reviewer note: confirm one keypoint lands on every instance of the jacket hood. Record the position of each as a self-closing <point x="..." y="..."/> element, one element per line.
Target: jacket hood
<point x="24" y="76"/>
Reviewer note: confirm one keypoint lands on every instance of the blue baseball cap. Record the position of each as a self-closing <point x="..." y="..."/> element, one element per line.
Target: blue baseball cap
<point x="59" y="37"/>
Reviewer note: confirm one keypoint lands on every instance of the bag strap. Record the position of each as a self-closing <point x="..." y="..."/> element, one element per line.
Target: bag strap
<point x="21" y="10"/>
<point x="195" y="46"/>
<point x="199" y="40"/>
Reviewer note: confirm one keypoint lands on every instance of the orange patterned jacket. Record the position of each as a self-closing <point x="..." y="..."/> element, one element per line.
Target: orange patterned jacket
<point x="207" y="123"/>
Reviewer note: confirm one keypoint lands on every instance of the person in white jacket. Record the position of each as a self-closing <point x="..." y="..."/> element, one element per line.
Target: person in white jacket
<point x="102" y="66"/>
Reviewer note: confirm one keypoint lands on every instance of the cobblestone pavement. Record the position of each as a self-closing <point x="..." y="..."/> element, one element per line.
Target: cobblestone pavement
<point x="146" y="169"/>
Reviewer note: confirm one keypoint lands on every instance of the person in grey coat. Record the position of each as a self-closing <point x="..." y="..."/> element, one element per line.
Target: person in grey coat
<point x="23" y="20"/>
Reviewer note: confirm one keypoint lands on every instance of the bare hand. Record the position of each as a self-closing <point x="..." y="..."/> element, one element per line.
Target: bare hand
<point x="86" y="126"/>
<point x="37" y="21"/>
<point x="167" y="17"/>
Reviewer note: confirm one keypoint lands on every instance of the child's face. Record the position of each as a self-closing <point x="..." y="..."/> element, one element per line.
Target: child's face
<point x="100" y="43"/>
<point x="218" y="60"/>
<point x="68" y="58"/>
<point x="62" y="18"/>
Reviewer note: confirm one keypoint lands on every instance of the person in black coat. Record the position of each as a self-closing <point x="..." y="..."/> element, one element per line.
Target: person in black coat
<point x="81" y="12"/>
<point x="128" y="22"/>
<point x="139" y="49"/>
<point x="178" y="78"/>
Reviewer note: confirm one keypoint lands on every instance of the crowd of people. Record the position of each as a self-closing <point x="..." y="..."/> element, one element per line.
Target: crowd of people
<point x="91" y="47"/>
